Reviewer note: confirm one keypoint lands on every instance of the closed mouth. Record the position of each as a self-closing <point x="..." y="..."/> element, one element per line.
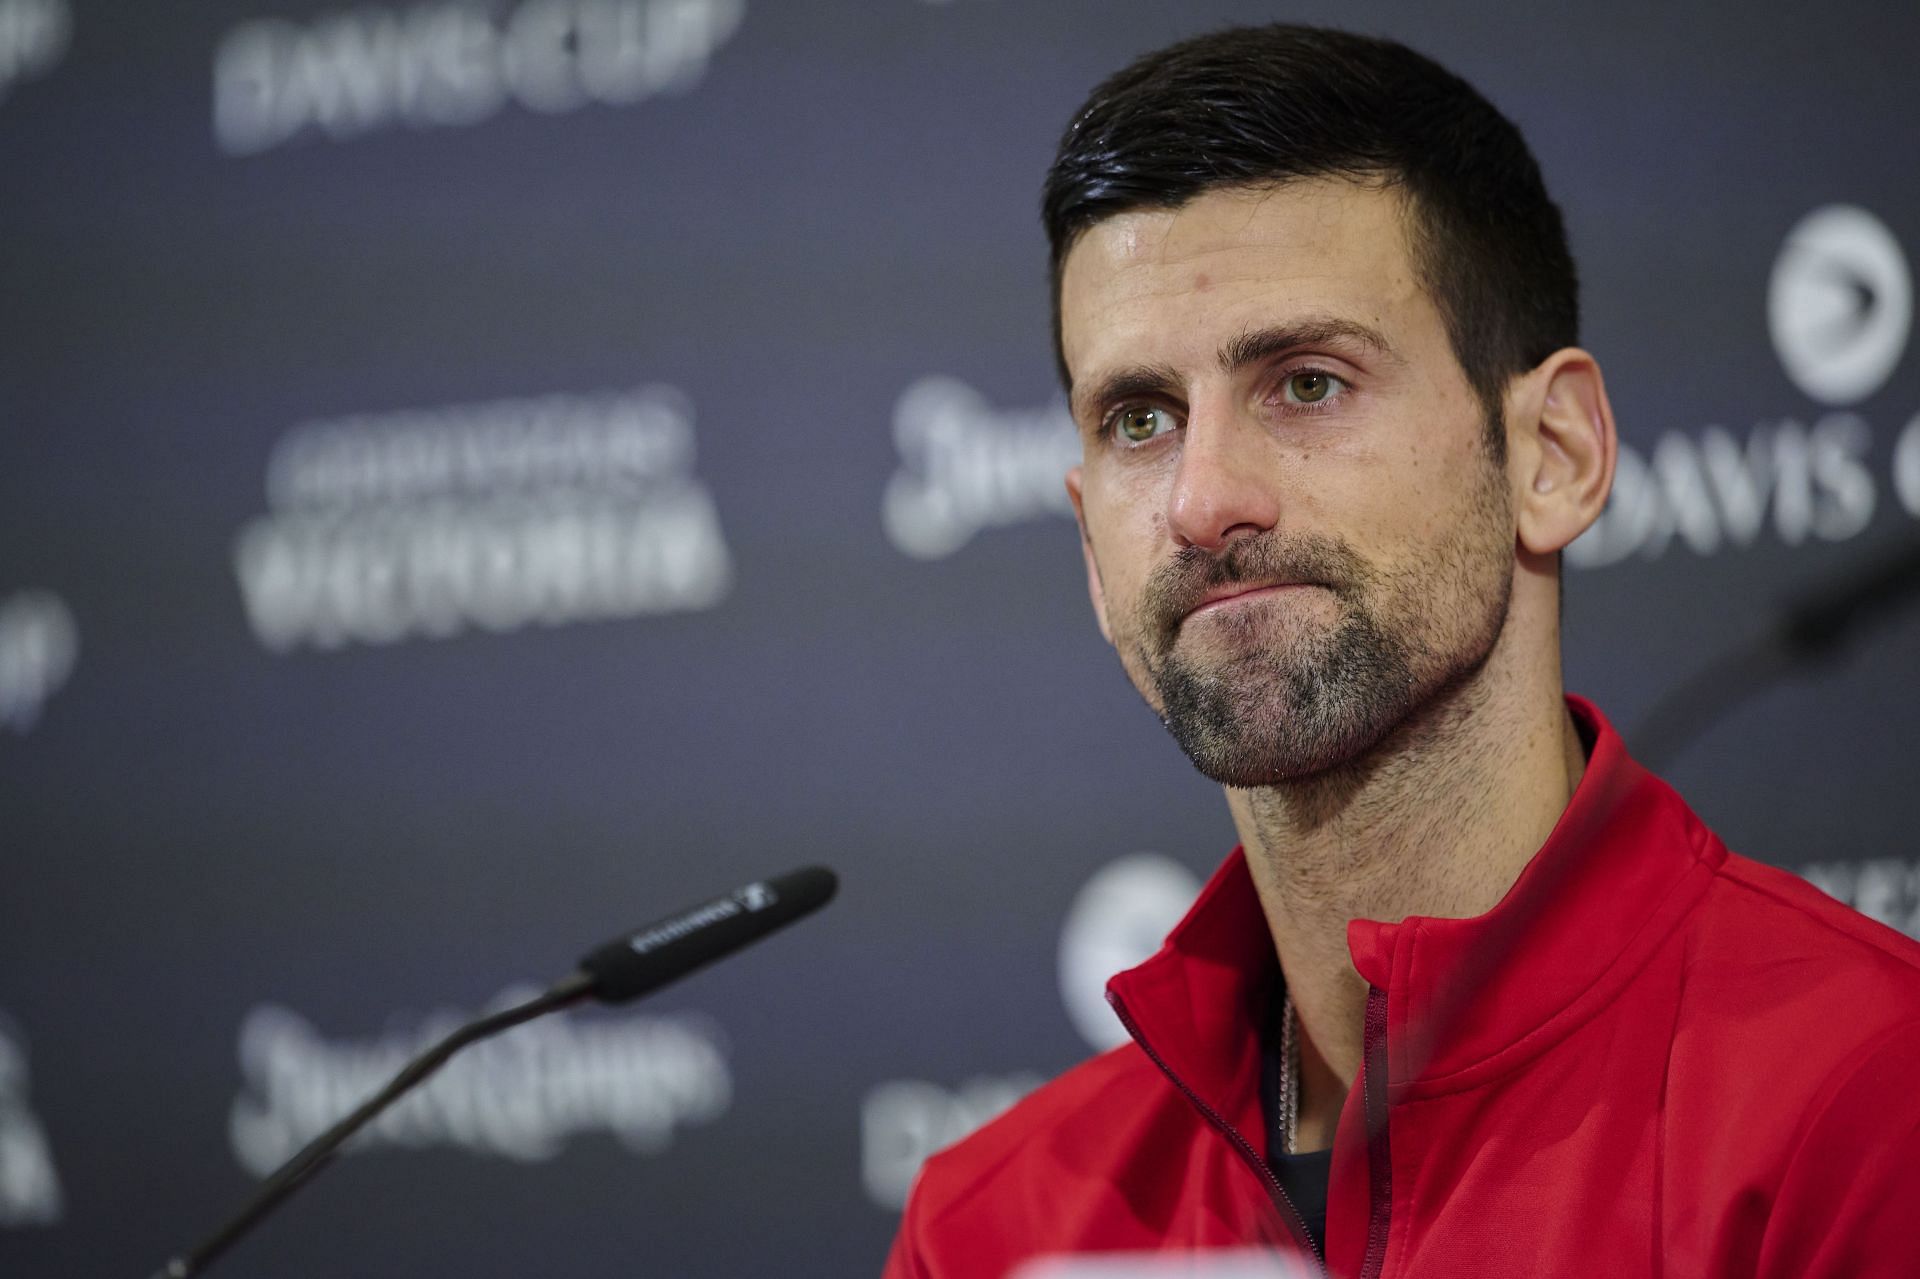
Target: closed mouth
<point x="1243" y="591"/>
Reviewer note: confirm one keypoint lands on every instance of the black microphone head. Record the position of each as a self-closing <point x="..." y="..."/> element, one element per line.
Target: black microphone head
<point x="650" y="957"/>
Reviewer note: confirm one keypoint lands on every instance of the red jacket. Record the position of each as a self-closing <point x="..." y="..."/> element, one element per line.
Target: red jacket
<point x="1653" y="1057"/>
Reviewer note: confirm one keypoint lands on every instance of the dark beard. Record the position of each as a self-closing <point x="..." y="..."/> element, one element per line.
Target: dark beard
<point x="1263" y="713"/>
<point x="1267" y="717"/>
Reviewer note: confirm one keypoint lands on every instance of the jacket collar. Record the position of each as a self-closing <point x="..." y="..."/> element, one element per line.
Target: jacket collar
<point x="1466" y="998"/>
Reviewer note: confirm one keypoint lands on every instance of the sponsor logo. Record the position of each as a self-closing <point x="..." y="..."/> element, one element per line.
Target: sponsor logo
<point x="1715" y="491"/>
<point x="29" y="1186"/>
<point x="752" y="898"/>
<point x="1840" y="304"/>
<point x="1906" y="468"/>
<point x="1118" y="919"/>
<point x="453" y="65"/>
<point x="966" y="466"/>
<point x="493" y="516"/>
<point x="904" y="1122"/>
<point x="519" y="1096"/>
<point x="39" y="644"/>
<point x="1840" y="309"/>
<point x="1884" y="888"/>
<point x="34" y="35"/>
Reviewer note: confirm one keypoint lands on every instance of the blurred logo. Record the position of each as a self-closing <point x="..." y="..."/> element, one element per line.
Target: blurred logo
<point x="29" y="1187"/>
<point x="452" y="65"/>
<point x="1117" y="920"/>
<point x="34" y="35"/>
<point x="493" y="516"/>
<point x="1906" y="467"/>
<point x="1840" y="304"/>
<point x="39" y="644"/>
<point x="519" y="1096"/>
<point x="905" y="1122"/>
<point x="1716" y="491"/>
<point x="1882" y="888"/>
<point x="1840" y="309"/>
<point x="966" y="466"/>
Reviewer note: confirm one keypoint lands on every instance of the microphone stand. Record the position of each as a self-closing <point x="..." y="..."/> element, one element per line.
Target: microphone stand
<point x="1812" y="629"/>
<point x="621" y="970"/>
<point x="319" y="1152"/>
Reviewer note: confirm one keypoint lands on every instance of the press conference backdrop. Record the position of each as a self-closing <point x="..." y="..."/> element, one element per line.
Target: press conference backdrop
<point x="478" y="476"/>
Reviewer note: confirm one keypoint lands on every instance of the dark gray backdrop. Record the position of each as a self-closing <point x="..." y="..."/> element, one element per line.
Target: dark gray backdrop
<point x="214" y="231"/>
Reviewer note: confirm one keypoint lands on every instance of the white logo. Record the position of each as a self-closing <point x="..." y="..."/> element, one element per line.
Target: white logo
<point x="1883" y="888"/>
<point x="498" y="516"/>
<point x="1840" y="304"/>
<point x="654" y="938"/>
<point x="34" y="35"/>
<point x="519" y="1096"/>
<point x="1906" y="467"/>
<point x="29" y="1187"/>
<point x="1718" y="491"/>
<point x="39" y="643"/>
<point x="1118" y="919"/>
<point x="454" y="65"/>
<point x="757" y="896"/>
<point x="1840" y="307"/>
<point x="967" y="466"/>
<point x="905" y="1122"/>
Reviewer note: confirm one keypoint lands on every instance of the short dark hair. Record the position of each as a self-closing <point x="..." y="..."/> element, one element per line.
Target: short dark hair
<point x="1253" y="106"/>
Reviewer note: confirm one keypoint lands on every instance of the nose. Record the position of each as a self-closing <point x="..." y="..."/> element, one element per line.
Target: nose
<point x="1222" y="488"/>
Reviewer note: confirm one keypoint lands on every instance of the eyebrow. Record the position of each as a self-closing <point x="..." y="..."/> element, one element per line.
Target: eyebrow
<point x="1263" y="344"/>
<point x="1249" y="348"/>
<point x="1139" y="381"/>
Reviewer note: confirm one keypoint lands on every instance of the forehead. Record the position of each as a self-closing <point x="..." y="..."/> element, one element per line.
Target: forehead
<point x="1166" y="284"/>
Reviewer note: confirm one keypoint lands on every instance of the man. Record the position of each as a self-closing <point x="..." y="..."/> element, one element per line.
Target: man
<point x="1477" y="995"/>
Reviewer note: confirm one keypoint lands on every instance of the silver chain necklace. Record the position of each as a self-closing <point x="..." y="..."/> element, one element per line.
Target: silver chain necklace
<point x="1289" y="1076"/>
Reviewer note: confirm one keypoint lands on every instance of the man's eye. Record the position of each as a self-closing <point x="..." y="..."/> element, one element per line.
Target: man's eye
<point x="1141" y="422"/>
<point x="1309" y="386"/>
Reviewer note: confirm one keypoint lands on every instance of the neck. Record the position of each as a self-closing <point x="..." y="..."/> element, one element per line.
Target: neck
<point x="1437" y="820"/>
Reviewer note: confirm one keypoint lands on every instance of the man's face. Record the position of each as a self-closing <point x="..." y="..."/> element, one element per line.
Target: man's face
<point x="1296" y="533"/>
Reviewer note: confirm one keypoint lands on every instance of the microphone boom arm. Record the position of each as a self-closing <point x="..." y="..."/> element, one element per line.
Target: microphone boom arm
<point x="624" y="969"/>
<point x="316" y="1154"/>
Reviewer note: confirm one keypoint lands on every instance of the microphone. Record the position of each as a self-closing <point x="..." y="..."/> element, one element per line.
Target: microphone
<point x="623" y="969"/>
<point x="641" y="963"/>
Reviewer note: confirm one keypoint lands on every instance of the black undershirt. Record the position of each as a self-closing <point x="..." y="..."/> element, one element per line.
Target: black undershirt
<point x="1304" y="1177"/>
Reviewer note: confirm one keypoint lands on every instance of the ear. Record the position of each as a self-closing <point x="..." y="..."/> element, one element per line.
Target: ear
<point x="1561" y="447"/>
<point x="1096" y="590"/>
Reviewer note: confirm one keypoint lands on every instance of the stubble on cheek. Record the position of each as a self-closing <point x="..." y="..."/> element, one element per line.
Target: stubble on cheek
<point x="1274" y="691"/>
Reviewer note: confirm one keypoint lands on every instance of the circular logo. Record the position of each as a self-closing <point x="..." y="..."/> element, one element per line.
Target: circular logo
<point x="1118" y="918"/>
<point x="1840" y="304"/>
<point x="38" y="644"/>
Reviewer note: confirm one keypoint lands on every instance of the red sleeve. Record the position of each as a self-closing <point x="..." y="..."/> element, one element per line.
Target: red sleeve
<point x="903" y="1261"/>
<point x="1850" y="1199"/>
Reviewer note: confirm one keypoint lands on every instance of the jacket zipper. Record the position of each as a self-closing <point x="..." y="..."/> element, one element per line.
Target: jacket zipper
<point x="1276" y="1192"/>
<point x="1373" y="1072"/>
